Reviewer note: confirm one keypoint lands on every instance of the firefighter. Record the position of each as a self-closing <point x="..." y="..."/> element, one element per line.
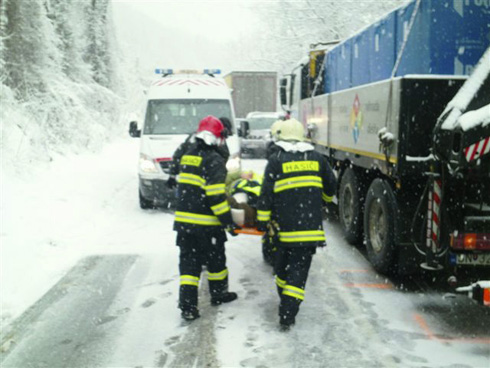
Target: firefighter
<point x="296" y="181"/>
<point x="222" y="150"/>
<point x="270" y="238"/>
<point x="201" y="216"/>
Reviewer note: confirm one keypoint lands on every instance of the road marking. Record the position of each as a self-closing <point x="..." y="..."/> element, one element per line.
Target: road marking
<point x="354" y="271"/>
<point x="431" y="336"/>
<point x="367" y="285"/>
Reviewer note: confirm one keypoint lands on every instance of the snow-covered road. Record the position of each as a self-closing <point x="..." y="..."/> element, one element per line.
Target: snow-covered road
<point x="101" y="278"/>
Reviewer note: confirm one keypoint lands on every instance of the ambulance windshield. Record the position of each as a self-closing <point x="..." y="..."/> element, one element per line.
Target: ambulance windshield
<point x="182" y="116"/>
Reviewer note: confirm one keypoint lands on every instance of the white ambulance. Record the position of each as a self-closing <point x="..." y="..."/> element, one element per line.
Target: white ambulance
<point x="176" y="102"/>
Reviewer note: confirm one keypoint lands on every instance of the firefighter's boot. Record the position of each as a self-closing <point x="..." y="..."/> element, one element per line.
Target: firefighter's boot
<point x="190" y="314"/>
<point x="226" y="297"/>
<point x="285" y="323"/>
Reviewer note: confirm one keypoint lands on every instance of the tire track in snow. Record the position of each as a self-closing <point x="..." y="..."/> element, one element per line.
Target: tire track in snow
<point x="197" y="347"/>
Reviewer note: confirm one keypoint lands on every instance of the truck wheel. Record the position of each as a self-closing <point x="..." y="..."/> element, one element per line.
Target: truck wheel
<point x="145" y="204"/>
<point x="351" y="199"/>
<point x="380" y="213"/>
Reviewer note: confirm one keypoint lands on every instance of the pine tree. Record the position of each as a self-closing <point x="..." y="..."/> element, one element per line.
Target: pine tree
<point x="31" y="53"/>
<point x="97" y="54"/>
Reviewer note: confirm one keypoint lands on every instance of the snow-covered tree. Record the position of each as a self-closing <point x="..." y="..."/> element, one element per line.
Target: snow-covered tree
<point x="293" y="26"/>
<point x="31" y="54"/>
<point x="71" y="28"/>
<point x="97" y="53"/>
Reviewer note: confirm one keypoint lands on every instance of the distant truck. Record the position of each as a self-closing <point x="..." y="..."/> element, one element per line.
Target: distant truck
<point x="408" y="134"/>
<point x="252" y="91"/>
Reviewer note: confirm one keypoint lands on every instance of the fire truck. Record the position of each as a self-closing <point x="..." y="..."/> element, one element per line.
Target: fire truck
<point x="402" y="111"/>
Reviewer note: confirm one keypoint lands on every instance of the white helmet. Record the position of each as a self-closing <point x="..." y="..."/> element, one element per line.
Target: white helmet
<point x="275" y="128"/>
<point x="291" y="130"/>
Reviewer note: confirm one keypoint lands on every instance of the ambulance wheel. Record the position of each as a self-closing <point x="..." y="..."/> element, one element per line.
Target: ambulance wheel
<point x="351" y="198"/>
<point x="145" y="204"/>
<point x="380" y="213"/>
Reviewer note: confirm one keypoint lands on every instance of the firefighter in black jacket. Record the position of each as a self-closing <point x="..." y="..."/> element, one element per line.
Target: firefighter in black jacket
<point x="201" y="216"/>
<point x="222" y="150"/>
<point x="296" y="181"/>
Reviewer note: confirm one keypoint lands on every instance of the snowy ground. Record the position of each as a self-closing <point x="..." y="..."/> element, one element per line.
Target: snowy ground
<point x="75" y="224"/>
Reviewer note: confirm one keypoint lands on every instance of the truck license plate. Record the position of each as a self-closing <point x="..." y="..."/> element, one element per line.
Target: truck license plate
<point x="482" y="259"/>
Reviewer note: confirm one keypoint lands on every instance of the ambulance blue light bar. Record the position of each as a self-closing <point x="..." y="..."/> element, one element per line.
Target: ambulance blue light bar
<point x="187" y="71"/>
<point x="212" y="71"/>
<point x="164" y="71"/>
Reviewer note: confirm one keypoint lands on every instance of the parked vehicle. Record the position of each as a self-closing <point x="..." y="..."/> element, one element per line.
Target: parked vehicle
<point x="256" y="132"/>
<point x="176" y="102"/>
<point x="408" y="134"/>
<point x="253" y="91"/>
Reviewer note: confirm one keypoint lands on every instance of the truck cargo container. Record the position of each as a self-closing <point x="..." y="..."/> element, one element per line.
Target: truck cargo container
<point x="407" y="130"/>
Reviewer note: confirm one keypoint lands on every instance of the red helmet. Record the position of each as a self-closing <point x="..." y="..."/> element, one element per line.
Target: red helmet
<point x="213" y="125"/>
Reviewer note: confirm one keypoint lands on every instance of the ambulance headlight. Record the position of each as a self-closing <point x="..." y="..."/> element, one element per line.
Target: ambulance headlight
<point x="147" y="165"/>
<point x="234" y="164"/>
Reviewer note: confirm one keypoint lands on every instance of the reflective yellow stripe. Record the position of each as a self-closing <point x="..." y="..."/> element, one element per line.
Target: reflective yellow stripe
<point x="214" y="189"/>
<point x="254" y="190"/>
<point x="196" y="218"/>
<point x="191" y="160"/>
<point x="221" y="208"/>
<point x="296" y="166"/>
<point x="293" y="291"/>
<point x="301" y="236"/>
<point x="189" y="280"/>
<point x="263" y="215"/>
<point x="218" y="276"/>
<point x="327" y="198"/>
<point x="298" y="182"/>
<point x="280" y="283"/>
<point x="192" y="179"/>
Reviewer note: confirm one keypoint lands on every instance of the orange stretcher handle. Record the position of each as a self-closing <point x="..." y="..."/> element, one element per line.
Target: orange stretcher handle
<point x="249" y="231"/>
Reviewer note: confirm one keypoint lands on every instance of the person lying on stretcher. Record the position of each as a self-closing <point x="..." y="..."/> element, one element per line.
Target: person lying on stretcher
<point x="243" y="194"/>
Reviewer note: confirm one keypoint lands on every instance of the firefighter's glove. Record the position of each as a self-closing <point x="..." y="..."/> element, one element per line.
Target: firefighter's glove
<point x="231" y="229"/>
<point x="171" y="182"/>
<point x="262" y="226"/>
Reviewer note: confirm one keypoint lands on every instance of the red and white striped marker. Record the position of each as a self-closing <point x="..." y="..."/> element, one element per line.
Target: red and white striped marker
<point x="477" y="149"/>
<point x="433" y="215"/>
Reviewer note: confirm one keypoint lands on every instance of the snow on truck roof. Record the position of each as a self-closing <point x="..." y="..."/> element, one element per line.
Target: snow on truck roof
<point x="460" y="102"/>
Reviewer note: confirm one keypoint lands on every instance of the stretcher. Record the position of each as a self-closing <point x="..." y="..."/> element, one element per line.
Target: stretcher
<point x="239" y="216"/>
<point x="249" y="231"/>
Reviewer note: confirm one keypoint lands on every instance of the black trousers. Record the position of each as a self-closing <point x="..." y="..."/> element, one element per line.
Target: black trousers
<point x="291" y="268"/>
<point x="197" y="250"/>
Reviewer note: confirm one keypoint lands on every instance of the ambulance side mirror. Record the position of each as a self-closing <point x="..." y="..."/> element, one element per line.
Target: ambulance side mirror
<point x="133" y="130"/>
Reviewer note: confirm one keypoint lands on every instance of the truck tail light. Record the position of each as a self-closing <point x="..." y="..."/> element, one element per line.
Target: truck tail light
<point x="486" y="297"/>
<point x="470" y="241"/>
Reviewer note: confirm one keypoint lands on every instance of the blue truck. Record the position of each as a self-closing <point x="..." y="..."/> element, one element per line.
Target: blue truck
<point x="402" y="111"/>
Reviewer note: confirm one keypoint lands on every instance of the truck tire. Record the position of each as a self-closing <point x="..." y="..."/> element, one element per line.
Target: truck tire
<point x="380" y="212"/>
<point x="351" y="200"/>
<point x="145" y="204"/>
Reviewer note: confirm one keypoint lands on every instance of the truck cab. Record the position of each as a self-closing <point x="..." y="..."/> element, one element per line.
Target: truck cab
<point x="175" y="104"/>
